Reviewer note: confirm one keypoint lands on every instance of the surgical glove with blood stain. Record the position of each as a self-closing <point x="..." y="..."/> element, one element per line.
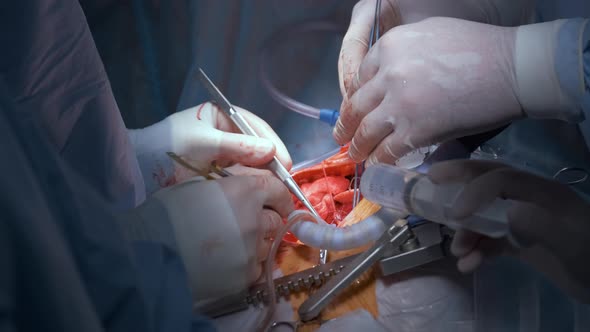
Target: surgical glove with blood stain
<point x="202" y="135"/>
<point x="328" y="186"/>
<point x="222" y="229"/>
<point x="429" y="82"/>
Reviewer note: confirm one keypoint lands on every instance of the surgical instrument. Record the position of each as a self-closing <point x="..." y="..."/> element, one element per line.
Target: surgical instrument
<point x="396" y="235"/>
<point x="374" y="36"/>
<point x="375" y="29"/>
<point x="215" y="169"/>
<point x="275" y="165"/>
<point x="429" y="242"/>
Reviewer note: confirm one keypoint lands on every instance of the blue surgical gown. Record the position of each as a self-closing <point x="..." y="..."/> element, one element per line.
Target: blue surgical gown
<point x="65" y="265"/>
<point x="67" y="167"/>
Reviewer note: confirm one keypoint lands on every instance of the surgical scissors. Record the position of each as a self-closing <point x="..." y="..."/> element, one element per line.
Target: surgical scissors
<point x="275" y="165"/>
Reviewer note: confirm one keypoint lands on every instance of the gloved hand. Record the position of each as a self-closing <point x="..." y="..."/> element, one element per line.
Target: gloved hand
<point x="425" y="82"/>
<point x="393" y="13"/>
<point x="222" y="229"/>
<point x="443" y="78"/>
<point x="549" y="221"/>
<point x="201" y="135"/>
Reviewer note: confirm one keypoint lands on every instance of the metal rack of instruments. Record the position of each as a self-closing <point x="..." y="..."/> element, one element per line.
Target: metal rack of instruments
<point x="400" y="248"/>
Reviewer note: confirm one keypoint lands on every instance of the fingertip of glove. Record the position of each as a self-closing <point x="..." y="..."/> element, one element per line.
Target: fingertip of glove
<point x="266" y="146"/>
<point x="462" y="208"/>
<point x="470" y="262"/>
<point x="353" y="153"/>
<point x="372" y="160"/>
<point x="458" y="249"/>
<point x="337" y="133"/>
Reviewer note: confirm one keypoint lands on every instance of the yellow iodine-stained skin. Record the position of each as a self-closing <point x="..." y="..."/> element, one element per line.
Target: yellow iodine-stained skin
<point x="360" y="295"/>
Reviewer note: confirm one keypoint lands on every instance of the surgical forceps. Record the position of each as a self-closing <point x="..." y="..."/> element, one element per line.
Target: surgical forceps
<point x="376" y="27"/>
<point x="275" y="165"/>
<point x="375" y="31"/>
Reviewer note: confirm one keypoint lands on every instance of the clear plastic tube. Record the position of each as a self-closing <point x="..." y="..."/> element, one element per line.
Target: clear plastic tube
<point x="280" y="37"/>
<point x="284" y="100"/>
<point x="315" y="161"/>
<point x="295" y="217"/>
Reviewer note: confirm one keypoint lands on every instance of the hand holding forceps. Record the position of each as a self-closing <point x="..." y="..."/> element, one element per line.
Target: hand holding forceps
<point x="274" y="166"/>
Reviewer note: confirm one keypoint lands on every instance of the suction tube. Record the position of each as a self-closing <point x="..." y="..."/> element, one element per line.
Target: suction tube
<point x="326" y="115"/>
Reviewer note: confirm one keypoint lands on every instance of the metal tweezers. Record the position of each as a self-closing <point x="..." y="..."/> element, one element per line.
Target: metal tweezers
<point x="275" y="165"/>
<point x="374" y="36"/>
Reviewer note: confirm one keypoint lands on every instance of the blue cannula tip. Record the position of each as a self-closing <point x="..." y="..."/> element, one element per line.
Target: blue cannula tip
<point x="329" y="116"/>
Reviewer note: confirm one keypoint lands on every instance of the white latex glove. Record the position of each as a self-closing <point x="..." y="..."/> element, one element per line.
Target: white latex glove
<point x="429" y="298"/>
<point x="443" y="78"/>
<point x="549" y="220"/>
<point x="201" y="135"/>
<point x="222" y="229"/>
<point x="355" y="44"/>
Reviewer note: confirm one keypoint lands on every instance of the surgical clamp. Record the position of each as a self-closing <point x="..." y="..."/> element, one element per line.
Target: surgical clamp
<point x="395" y="236"/>
<point x="400" y="248"/>
<point x="428" y="242"/>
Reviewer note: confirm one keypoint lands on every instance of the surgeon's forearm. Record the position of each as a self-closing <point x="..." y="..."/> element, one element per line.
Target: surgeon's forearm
<point x="573" y="64"/>
<point x="552" y="69"/>
<point x="148" y="230"/>
<point x="147" y="223"/>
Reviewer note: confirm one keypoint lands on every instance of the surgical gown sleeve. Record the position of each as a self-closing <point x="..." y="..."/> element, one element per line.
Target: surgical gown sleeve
<point x="65" y="264"/>
<point x="57" y="79"/>
<point x="572" y="66"/>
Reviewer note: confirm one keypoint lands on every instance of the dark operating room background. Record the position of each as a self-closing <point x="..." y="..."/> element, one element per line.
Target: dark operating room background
<point x="151" y="50"/>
